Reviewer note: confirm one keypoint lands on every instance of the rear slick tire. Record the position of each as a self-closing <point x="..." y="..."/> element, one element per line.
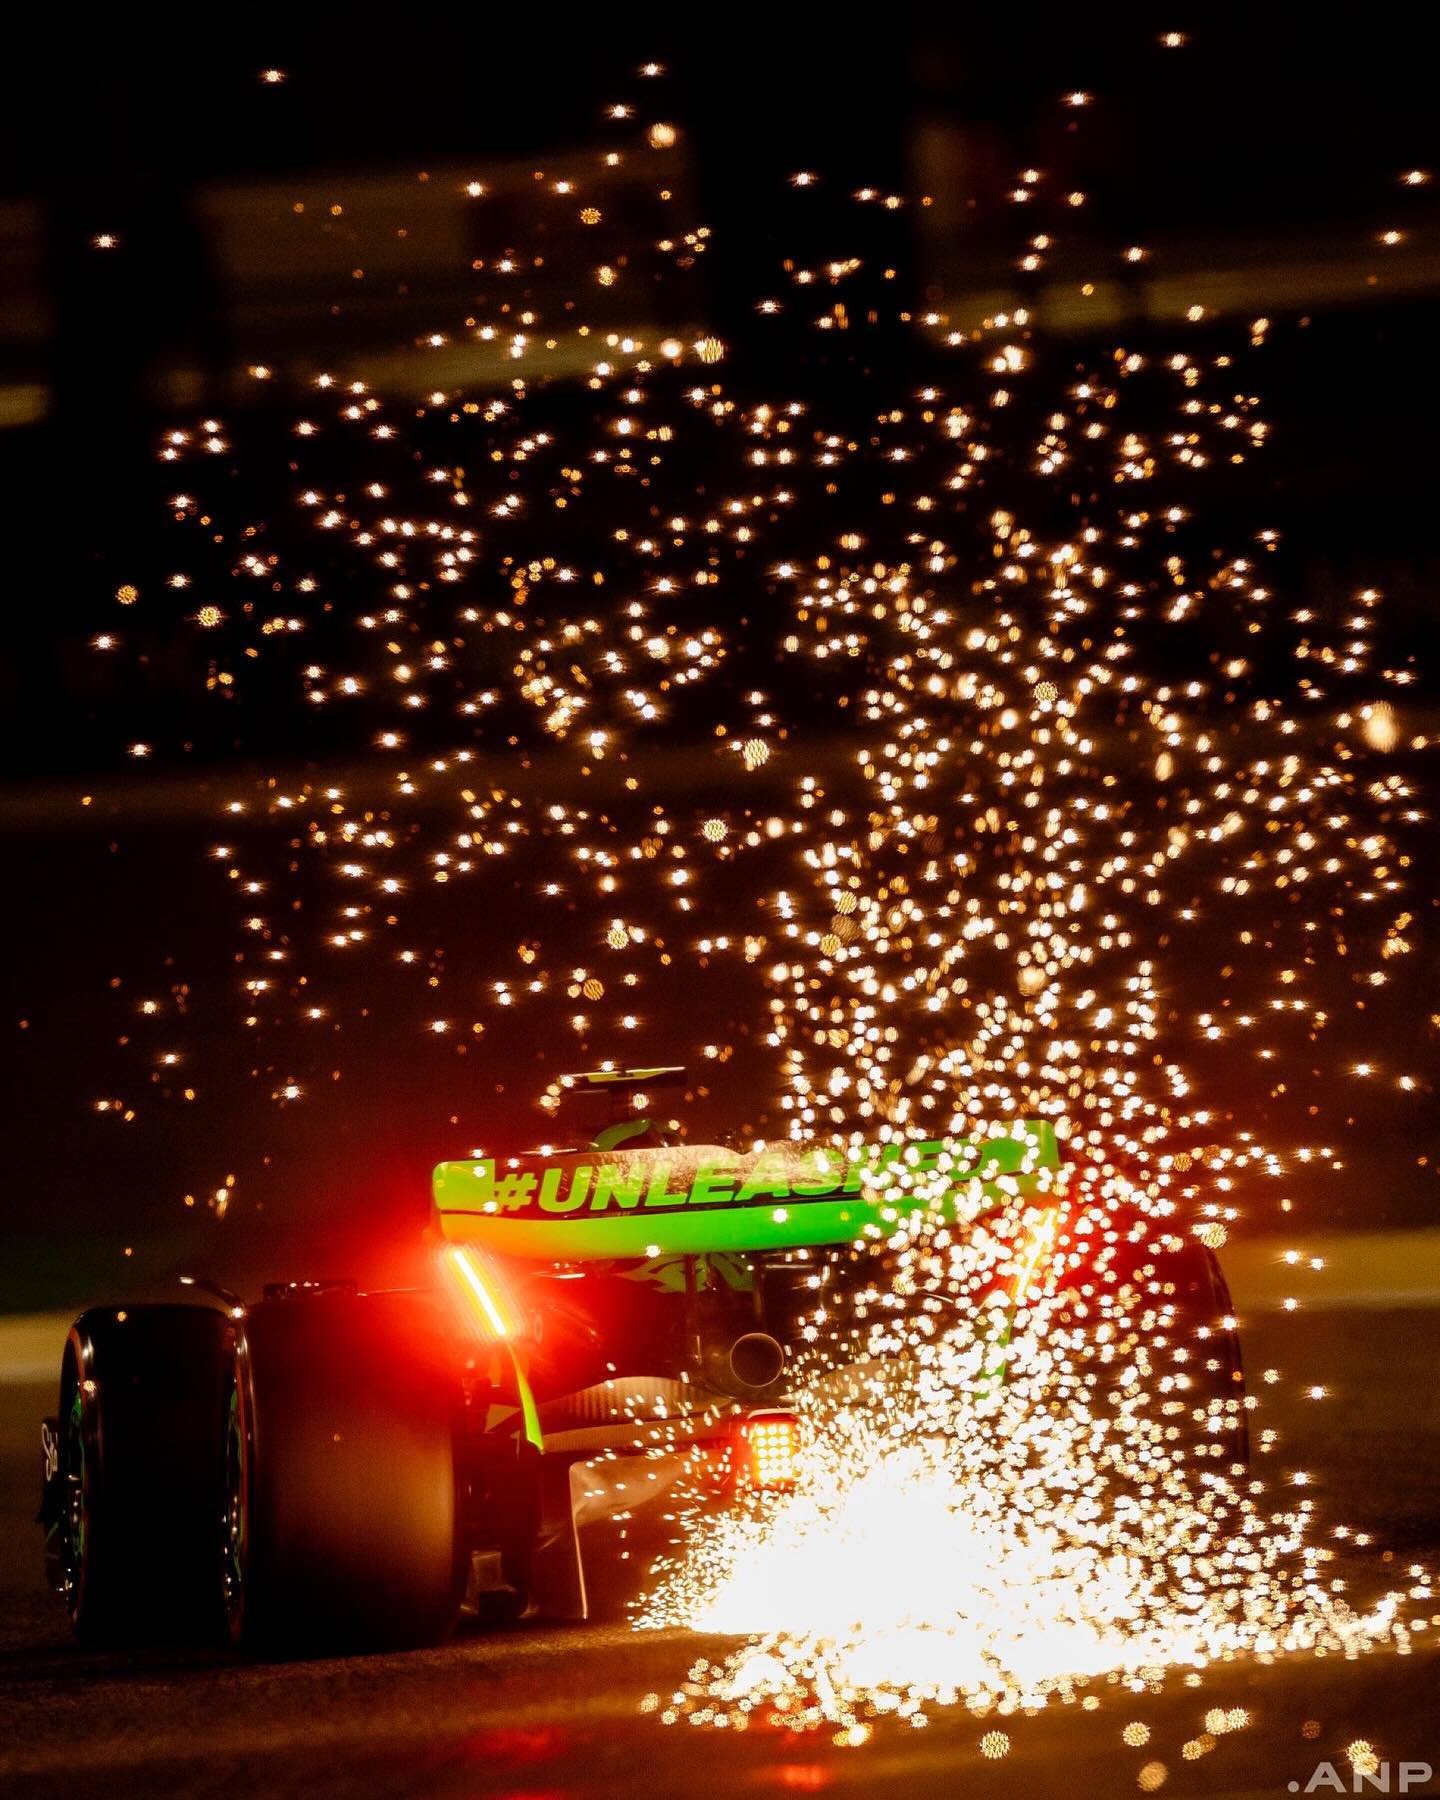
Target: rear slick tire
<point x="141" y="1396"/>
<point x="345" y="1517"/>
<point x="1210" y="1416"/>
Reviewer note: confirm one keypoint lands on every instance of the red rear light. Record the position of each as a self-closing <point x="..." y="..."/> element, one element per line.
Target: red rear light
<point x="772" y="1447"/>
<point x="474" y="1281"/>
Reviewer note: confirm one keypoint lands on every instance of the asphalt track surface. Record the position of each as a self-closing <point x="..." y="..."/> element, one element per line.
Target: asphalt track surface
<point x="539" y="1711"/>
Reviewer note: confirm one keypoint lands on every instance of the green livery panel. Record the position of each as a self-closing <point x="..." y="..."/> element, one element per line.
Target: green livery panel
<point x="693" y="1199"/>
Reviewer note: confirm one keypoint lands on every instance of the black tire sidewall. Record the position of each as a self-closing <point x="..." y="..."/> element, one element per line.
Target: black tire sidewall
<point x="146" y="1383"/>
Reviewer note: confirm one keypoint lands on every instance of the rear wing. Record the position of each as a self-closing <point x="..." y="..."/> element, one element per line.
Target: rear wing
<point x="694" y="1199"/>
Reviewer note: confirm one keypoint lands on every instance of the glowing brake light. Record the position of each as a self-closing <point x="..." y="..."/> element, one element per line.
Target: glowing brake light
<point x="772" y="1442"/>
<point x="479" y="1289"/>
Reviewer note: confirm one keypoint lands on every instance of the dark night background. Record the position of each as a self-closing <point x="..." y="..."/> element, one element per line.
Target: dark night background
<point x="1260" y="163"/>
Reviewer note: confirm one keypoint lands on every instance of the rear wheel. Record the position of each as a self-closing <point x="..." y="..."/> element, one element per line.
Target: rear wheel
<point x="1208" y="1370"/>
<point x="1164" y="1304"/>
<point x="341" y="1507"/>
<point x="134" y="1535"/>
<point x="290" y="1482"/>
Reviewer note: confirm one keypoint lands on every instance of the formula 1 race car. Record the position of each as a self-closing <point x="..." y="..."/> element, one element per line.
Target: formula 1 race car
<point x="608" y="1327"/>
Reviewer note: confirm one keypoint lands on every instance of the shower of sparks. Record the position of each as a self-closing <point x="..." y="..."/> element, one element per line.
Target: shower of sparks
<point x="967" y="1536"/>
<point x="940" y="703"/>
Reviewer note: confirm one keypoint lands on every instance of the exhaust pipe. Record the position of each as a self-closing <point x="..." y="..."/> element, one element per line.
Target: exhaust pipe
<point x="756" y="1360"/>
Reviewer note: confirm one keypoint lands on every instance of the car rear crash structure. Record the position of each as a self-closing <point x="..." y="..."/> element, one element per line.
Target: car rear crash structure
<point x="609" y="1327"/>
